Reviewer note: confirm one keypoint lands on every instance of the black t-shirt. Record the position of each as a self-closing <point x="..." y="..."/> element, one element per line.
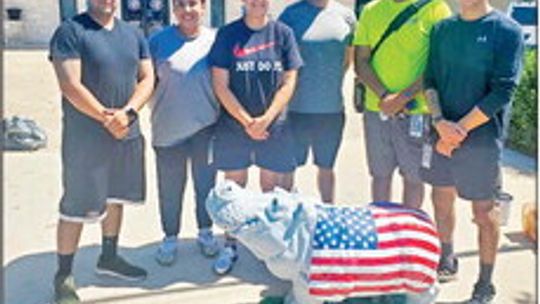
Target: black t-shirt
<point x="256" y="61"/>
<point x="109" y="66"/>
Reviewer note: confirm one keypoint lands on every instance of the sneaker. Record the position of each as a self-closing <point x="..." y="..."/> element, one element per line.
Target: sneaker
<point x="208" y="243"/>
<point x="448" y="269"/>
<point x="482" y="294"/>
<point x="64" y="290"/>
<point x="225" y="261"/>
<point x="166" y="253"/>
<point x="120" y="268"/>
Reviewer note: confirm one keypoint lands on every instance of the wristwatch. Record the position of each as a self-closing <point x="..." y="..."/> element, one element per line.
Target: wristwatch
<point x="436" y="119"/>
<point x="132" y="116"/>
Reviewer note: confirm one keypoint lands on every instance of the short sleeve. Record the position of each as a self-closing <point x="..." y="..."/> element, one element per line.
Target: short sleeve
<point x="219" y="55"/>
<point x="292" y="59"/>
<point x="65" y="43"/>
<point x="439" y="11"/>
<point x="361" y="36"/>
<point x="285" y="17"/>
<point x="350" y="19"/>
<point x="144" y="50"/>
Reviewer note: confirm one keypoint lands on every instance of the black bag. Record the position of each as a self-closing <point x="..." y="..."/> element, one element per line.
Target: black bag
<point x="359" y="95"/>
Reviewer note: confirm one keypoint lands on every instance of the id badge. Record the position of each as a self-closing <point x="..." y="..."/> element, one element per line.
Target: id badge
<point x="416" y="126"/>
<point x="427" y="154"/>
<point x="210" y="155"/>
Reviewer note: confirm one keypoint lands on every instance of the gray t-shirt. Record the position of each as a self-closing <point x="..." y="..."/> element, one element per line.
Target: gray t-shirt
<point x="183" y="102"/>
<point x="109" y="67"/>
<point x="323" y="34"/>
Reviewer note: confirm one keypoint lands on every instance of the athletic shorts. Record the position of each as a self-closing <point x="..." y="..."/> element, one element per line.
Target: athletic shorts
<point x="322" y="133"/>
<point x="235" y="150"/>
<point x="389" y="145"/>
<point x="98" y="170"/>
<point x="474" y="168"/>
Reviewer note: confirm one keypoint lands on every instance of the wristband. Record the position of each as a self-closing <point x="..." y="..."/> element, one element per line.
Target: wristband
<point x="384" y="94"/>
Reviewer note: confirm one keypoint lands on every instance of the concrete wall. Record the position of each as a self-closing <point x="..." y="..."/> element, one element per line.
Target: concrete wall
<point x="41" y="17"/>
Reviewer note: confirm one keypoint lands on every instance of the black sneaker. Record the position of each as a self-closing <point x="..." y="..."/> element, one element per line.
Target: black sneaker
<point x="448" y="269"/>
<point x="482" y="294"/>
<point x="119" y="268"/>
<point x="64" y="290"/>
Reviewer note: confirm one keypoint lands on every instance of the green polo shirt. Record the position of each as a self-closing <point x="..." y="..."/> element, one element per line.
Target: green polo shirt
<point x="402" y="58"/>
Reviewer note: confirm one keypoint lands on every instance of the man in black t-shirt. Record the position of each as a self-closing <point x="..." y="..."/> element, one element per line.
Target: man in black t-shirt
<point x="105" y="75"/>
<point x="469" y="97"/>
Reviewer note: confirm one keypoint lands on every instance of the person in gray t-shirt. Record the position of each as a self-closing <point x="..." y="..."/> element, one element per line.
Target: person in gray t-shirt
<point x="105" y="76"/>
<point x="324" y="30"/>
<point x="184" y="110"/>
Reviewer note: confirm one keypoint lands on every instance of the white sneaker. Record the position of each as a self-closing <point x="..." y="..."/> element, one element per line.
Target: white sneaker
<point x="207" y="242"/>
<point x="225" y="261"/>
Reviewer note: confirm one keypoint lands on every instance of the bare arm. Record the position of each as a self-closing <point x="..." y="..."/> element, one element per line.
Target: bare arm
<point x="118" y="123"/>
<point x="220" y="82"/>
<point x="144" y="87"/>
<point x="364" y="71"/>
<point x="68" y="74"/>
<point x="473" y="119"/>
<point x="282" y="97"/>
<point x="348" y="59"/>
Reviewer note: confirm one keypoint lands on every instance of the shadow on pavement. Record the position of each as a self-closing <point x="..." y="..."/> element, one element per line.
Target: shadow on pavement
<point x="34" y="272"/>
<point x="522" y="163"/>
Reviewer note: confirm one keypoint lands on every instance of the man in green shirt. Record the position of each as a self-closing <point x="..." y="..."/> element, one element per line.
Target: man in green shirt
<point x="394" y="121"/>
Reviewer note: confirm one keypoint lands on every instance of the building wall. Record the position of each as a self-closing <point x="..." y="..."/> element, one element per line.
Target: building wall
<point x="40" y="18"/>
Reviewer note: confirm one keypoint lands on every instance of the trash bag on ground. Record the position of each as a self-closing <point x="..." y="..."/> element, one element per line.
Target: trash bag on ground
<point x="21" y="134"/>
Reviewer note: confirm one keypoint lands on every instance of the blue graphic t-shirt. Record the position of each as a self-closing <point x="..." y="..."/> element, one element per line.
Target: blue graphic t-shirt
<point x="256" y="61"/>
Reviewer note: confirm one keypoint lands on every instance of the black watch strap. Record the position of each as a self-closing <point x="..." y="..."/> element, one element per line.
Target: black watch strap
<point x="132" y="116"/>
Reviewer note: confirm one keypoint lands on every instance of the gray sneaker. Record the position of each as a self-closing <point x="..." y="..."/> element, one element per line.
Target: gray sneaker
<point x="64" y="290"/>
<point x="119" y="268"/>
<point x="208" y="243"/>
<point x="225" y="261"/>
<point x="482" y="294"/>
<point x="167" y="251"/>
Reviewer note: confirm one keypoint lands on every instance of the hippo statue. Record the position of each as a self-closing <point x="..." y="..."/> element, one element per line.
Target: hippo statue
<point x="332" y="253"/>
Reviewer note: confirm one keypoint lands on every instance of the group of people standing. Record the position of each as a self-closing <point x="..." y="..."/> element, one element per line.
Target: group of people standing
<point x="265" y="92"/>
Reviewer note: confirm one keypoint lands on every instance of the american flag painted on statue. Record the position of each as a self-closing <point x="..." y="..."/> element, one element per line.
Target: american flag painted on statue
<point x="382" y="249"/>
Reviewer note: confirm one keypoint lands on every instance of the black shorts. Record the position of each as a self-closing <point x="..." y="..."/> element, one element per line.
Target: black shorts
<point x="235" y="150"/>
<point x="474" y="169"/>
<point x="97" y="170"/>
<point x="322" y="133"/>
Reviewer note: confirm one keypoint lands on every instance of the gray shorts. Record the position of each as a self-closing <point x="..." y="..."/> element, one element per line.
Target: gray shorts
<point x="389" y="146"/>
<point x="474" y="169"/>
<point x="97" y="170"/>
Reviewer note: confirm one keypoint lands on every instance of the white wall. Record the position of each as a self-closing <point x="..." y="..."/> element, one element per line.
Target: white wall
<point x="41" y="17"/>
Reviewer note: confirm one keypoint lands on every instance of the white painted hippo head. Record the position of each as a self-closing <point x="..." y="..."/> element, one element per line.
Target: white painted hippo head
<point x="266" y="223"/>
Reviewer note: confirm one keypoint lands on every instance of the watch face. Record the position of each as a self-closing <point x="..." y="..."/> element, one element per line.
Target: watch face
<point x="134" y="5"/>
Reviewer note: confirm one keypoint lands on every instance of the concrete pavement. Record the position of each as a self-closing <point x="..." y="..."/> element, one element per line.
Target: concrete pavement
<point x="32" y="190"/>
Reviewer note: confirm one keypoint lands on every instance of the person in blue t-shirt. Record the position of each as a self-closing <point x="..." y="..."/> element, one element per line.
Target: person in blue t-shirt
<point x="324" y="30"/>
<point x="254" y="68"/>
<point x="469" y="97"/>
